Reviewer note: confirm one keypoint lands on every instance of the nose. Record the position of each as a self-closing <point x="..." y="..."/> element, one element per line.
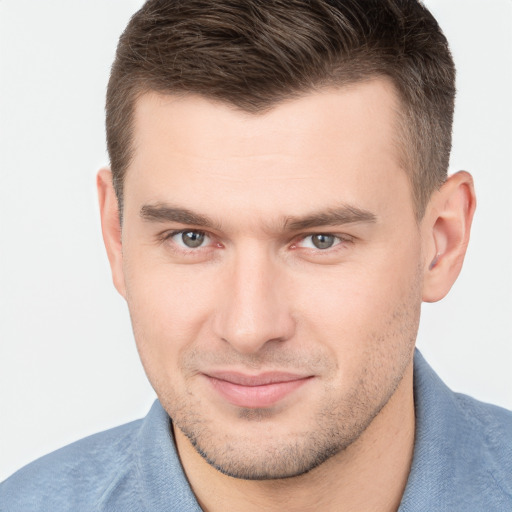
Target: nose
<point x="253" y="309"/>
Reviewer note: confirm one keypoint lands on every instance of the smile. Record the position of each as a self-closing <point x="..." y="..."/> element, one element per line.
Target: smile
<point x="255" y="391"/>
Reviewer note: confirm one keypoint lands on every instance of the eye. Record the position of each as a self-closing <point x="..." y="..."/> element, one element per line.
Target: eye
<point x="190" y="239"/>
<point x="320" y="241"/>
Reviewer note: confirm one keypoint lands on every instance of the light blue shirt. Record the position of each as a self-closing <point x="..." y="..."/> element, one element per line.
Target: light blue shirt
<point x="462" y="462"/>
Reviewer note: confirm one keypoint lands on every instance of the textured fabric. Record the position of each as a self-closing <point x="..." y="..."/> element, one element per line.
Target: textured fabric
<point x="462" y="462"/>
<point x="463" y="451"/>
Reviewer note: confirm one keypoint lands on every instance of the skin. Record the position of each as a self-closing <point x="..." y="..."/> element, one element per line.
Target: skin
<point x="257" y="295"/>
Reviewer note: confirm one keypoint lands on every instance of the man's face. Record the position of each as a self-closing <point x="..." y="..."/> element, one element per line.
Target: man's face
<point x="271" y="266"/>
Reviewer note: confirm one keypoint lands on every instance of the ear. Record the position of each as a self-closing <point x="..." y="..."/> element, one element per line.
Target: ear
<point x="111" y="227"/>
<point x="446" y="227"/>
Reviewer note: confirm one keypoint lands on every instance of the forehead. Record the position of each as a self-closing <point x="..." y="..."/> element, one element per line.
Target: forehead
<point x="335" y="110"/>
<point x="335" y="141"/>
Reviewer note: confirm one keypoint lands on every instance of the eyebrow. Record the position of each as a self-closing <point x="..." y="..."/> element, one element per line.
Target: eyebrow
<point x="167" y="213"/>
<point x="345" y="214"/>
<point x="332" y="217"/>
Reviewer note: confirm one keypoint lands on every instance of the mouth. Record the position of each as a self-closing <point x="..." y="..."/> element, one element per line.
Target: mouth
<point x="255" y="391"/>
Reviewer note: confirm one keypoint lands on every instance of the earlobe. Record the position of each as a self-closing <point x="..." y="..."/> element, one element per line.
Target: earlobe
<point x="111" y="227"/>
<point x="446" y="228"/>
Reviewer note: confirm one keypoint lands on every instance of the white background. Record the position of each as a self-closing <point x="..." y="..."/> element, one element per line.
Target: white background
<point x="68" y="363"/>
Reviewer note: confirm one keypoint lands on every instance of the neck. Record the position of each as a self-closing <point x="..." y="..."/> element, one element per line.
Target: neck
<point x="369" y="475"/>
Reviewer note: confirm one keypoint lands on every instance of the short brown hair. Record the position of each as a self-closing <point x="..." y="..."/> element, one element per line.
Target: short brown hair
<point x="253" y="54"/>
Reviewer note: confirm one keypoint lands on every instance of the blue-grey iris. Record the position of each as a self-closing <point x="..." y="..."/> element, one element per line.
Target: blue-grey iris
<point x="322" y="241"/>
<point x="192" y="239"/>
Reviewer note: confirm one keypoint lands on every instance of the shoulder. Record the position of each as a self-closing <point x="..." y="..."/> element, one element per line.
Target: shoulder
<point x="485" y="436"/>
<point x="482" y="414"/>
<point x="131" y="468"/>
<point x="463" y="450"/>
<point x="73" y="477"/>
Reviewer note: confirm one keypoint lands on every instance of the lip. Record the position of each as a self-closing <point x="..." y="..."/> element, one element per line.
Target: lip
<point x="255" y="391"/>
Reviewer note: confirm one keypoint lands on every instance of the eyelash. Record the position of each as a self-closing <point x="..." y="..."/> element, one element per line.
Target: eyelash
<point x="341" y="240"/>
<point x="338" y="240"/>
<point x="167" y="237"/>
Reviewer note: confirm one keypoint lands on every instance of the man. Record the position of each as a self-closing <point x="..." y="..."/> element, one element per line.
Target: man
<point x="278" y="209"/>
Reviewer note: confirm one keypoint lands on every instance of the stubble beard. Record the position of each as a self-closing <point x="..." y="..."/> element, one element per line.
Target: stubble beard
<point x="248" y="459"/>
<point x="337" y="423"/>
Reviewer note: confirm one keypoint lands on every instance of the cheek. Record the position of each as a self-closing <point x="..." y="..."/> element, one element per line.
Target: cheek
<point x="169" y="309"/>
<point x="357" y="306"/>
<point x="370" y="332"/>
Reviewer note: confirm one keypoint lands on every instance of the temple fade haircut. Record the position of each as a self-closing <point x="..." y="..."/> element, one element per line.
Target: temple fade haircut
<point x="254" y="54"/>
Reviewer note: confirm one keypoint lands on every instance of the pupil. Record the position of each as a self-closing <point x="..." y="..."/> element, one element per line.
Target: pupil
<point x="322" y="241"/>
<point x="192" y="238"/>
